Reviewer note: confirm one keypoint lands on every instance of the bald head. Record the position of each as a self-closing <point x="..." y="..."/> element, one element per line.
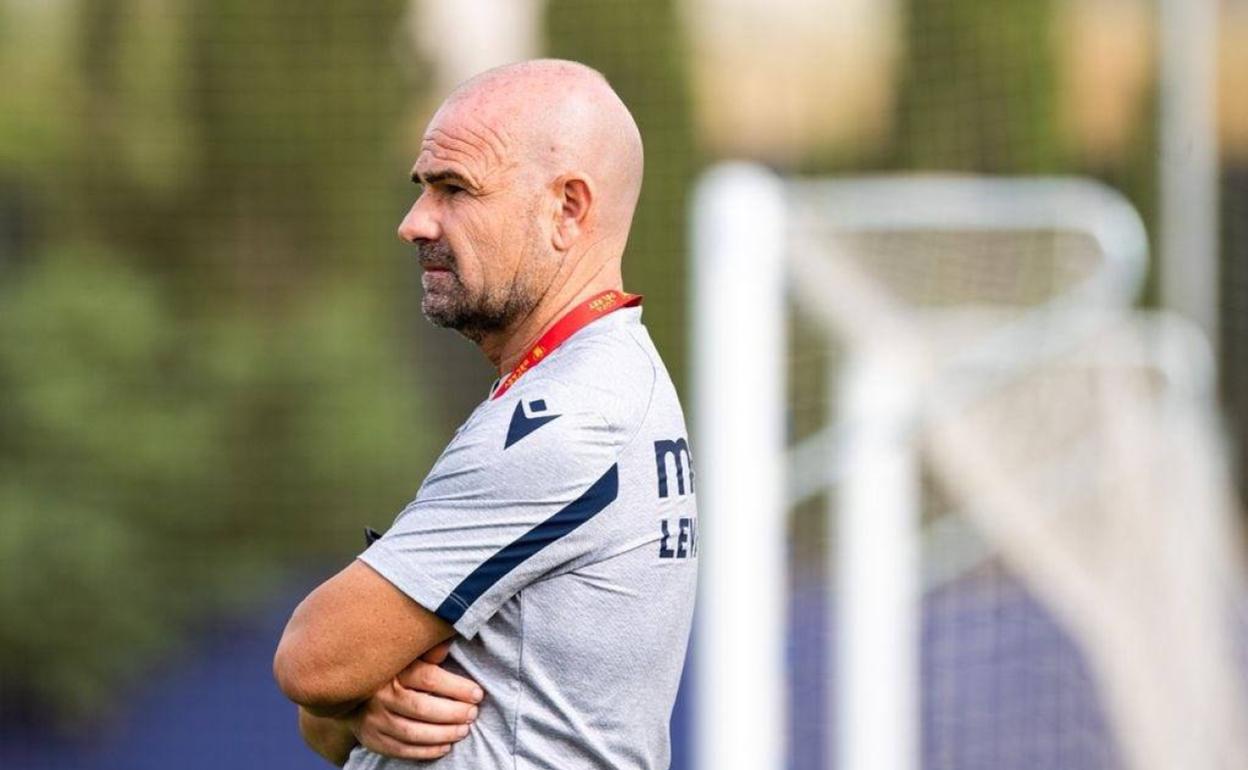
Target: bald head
<point x="531" y="173"/>
<point x="564" y="118"/>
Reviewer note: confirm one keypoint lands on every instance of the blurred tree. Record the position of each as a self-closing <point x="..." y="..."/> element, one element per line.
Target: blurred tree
<point x="979" y="93"/>
<point x="978" y="87"/>
<point x="640" y="47"/>
<point x="202" y="376"/>
<point x="110" y="482"/>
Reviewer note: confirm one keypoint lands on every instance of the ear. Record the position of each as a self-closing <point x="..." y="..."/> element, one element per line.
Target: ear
<point x="575" y="198"/>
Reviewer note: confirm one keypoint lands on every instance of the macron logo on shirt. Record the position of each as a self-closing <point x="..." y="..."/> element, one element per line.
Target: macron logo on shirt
<point x="523" y="424"/>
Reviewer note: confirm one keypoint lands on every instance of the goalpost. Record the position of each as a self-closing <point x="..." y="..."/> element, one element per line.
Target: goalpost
<point x="993" y="406"/>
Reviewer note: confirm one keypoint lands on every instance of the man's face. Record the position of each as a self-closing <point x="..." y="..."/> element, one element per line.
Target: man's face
<point x="477" y="225"/>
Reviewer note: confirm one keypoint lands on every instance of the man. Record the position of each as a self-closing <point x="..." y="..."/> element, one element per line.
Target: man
<point x="554" y="542"/>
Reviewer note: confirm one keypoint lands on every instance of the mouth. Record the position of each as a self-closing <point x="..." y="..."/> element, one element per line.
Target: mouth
<point x="437" y="278"/>
<point x="435" y="268"/>
<point x="435" y="258"/>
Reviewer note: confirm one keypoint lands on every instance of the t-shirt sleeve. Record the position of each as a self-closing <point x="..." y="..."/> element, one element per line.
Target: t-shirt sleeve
<point x="512" y="499"/>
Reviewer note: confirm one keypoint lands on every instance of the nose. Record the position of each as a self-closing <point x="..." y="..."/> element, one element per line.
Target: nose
<point x="419" y="224"/>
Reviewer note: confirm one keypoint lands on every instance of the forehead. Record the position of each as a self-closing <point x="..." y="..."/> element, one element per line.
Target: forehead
<point x="467" y="137"/>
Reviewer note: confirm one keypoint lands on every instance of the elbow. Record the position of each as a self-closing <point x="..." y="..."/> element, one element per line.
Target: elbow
<point x="304" y="683"/>
<point x="291" y="673"/>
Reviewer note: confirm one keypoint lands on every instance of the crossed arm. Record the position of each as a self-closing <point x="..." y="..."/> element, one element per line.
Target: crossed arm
<point x="360" y="658"/>
<point x="352" y="634"/>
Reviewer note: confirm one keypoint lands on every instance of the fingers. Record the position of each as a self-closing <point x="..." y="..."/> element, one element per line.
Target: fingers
<point x="438" y="654"/>
<point x="424" y="707"/>
<point x="420" y="713"/>
<point x="416" y="733"/>
<point x="380" y="729"/>
<point x="388" y="746"/>
<point x="435" y="680"/>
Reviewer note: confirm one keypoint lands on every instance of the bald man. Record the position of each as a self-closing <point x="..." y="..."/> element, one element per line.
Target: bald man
<point x="531" y="606"/>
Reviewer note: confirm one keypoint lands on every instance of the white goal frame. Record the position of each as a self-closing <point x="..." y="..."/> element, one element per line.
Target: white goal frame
<point x="745" y="262"/>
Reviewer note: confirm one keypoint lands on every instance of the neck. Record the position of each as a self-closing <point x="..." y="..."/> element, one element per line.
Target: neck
<point x="506" y="348"/>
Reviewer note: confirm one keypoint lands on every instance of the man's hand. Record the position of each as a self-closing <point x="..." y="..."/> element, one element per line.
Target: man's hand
<point x="420" y="713"/>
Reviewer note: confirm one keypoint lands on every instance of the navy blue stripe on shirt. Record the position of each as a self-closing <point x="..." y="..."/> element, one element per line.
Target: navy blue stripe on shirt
<point x="574" y="514"/>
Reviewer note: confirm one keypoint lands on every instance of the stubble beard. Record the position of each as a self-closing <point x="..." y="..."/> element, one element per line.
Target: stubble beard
<point x="451" y="305"/>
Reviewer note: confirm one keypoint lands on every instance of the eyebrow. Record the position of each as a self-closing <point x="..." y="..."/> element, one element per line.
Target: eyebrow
<point x="442" y="175"/>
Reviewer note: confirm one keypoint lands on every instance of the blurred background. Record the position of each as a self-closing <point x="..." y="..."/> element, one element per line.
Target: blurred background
<point x="213" y="368"/>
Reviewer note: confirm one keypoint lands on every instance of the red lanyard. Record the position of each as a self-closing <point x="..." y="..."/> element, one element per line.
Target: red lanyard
<point x="590" y="310"/>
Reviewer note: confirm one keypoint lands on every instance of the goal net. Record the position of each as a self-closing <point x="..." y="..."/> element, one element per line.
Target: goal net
<point x="963" y="507"/>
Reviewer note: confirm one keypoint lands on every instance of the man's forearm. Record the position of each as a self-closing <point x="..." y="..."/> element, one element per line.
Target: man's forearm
<point x="351" y="635"/>
<point x="331" y="737"/>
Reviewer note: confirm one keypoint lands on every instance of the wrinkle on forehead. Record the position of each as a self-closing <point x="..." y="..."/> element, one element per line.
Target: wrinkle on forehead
<point x="470" y="135"/>
<point x="475" y="152"/>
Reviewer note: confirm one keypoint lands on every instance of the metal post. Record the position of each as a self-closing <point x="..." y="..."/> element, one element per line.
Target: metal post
<point x="876" y="597"/>
<point x="738" y="445"/>
<point x="1189" y="160"/>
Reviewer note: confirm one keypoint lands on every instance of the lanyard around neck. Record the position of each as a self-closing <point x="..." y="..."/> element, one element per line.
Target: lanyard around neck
<point x="577" y="318"/>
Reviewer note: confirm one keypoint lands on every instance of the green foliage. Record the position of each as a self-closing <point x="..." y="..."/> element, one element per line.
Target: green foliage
<point x="89" y="459"/>
<point x="36" y="49"/>
<point x="980" y="93"/>
<point x="639" y="47"/>
<point x="151" y="471"/>
<point x="979" y="87"/>
<point x="203" y="383"/>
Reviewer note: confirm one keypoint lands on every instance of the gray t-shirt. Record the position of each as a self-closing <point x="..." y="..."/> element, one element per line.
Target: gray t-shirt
<point x="558" y="534"/>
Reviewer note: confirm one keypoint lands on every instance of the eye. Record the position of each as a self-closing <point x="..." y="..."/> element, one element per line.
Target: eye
<point x="451" y="188"/>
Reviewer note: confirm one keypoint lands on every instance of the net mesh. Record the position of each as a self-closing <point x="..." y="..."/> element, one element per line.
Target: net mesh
<point x="1077" y="558"/>
<point x="1095" y="480"/>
